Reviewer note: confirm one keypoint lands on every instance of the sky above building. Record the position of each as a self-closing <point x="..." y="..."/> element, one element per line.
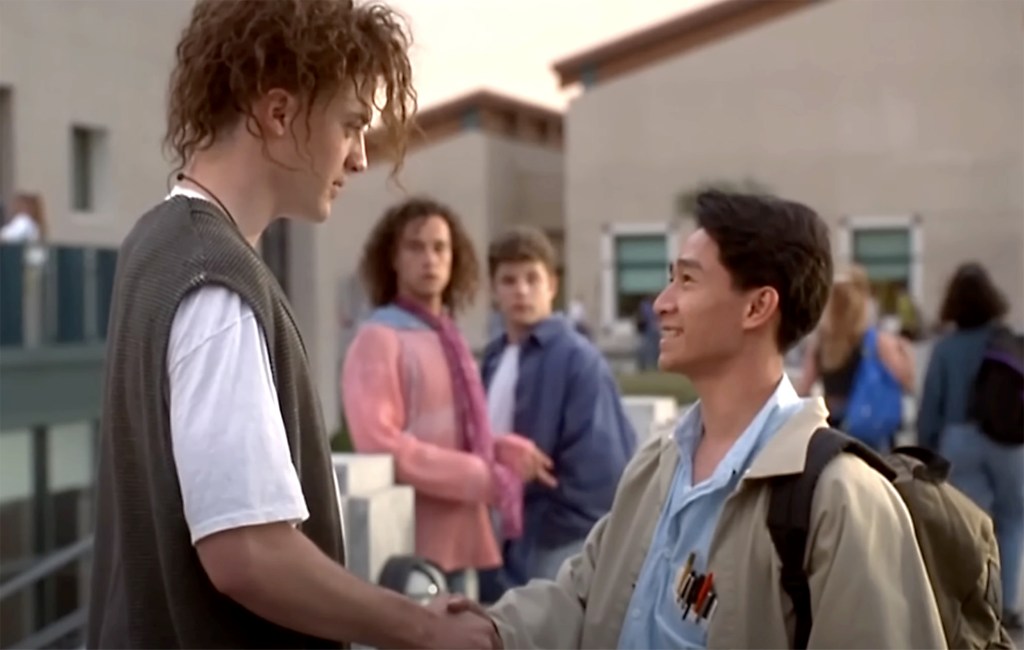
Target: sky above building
<point x="509" y="45"/>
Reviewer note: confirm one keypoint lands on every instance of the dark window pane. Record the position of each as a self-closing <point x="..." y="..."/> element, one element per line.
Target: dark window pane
<point x="640" y="270"/>
<point x="12" y="285"/>
<point x="70" y="295"/>
<point x="81" y="169"/>
<point x="885" y="253"/>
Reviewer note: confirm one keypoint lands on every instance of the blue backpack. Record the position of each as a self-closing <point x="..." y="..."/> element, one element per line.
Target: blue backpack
<point x="874" y="412"/>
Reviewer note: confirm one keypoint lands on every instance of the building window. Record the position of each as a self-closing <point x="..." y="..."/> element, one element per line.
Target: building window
<point x="88" y="156"/>
<point x="641" y="261"/>
<point x="889" y="251"/>
<point x="885" y="254"/>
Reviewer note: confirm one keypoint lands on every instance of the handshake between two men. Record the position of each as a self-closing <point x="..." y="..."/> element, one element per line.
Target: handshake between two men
<point x="467" y="626"/>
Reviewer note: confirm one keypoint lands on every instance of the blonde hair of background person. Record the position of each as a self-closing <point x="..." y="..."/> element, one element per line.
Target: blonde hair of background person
<point x="847" y="317"/>
<point x="28" y="220"/>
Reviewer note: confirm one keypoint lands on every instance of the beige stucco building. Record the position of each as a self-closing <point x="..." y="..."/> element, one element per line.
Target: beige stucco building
<point x="82" y="88"/>
<point x="901" y="122"/>
<point x="81" y="122"/>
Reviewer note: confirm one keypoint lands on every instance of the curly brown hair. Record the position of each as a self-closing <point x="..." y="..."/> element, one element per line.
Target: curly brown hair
<point x="377" y="264"/>
<point x="232" y="51"/>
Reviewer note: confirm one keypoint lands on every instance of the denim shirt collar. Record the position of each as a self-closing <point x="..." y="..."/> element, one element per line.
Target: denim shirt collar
<point x="688" y="432"/>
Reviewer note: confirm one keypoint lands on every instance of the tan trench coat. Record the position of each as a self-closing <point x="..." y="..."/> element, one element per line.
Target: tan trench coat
<point x="868" y="583"/>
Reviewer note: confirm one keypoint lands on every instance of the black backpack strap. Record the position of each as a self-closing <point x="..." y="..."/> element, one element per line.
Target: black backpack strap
<point x="789" y="517"/>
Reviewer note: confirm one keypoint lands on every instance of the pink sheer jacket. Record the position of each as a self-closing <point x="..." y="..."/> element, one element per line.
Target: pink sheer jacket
<point x="397" y="398"/>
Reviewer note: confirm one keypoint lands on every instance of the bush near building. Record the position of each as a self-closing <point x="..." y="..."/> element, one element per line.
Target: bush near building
<point x="657" y="383"/>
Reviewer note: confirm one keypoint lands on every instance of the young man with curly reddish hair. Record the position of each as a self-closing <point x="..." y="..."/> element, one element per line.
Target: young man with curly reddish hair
<point x="218" y="514"/>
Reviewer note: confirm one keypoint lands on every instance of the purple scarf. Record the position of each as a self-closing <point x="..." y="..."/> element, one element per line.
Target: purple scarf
<point x="471" y="415"/>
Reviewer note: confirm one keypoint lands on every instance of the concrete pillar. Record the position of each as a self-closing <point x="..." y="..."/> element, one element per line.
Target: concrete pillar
<point x="380" y="519"/>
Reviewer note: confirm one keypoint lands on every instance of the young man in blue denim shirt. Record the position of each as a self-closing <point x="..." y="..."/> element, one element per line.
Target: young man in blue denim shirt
<point x="547" y="382"/>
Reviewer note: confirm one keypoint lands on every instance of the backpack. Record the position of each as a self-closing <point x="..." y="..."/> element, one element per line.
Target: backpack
<point x="956" y="538"/>
<point x="874" y="411"/>
<point x="997" y="395"/>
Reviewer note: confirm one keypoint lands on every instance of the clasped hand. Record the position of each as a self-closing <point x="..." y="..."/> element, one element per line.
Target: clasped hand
<point x="465" y="625"/>
<point x="520" y="454"/>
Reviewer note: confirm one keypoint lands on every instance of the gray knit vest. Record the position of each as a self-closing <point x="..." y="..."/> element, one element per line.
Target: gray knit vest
<point x="149" y="589"/>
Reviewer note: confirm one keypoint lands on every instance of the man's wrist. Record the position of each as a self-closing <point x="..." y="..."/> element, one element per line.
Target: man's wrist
<point x="419" y="627"/>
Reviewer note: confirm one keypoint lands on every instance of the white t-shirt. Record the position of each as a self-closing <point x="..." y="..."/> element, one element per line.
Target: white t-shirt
<point x="20" y="229"/>
<point x="501" y="394"/>
<point x="577" y="314"/>
<point x="230" y="448"/>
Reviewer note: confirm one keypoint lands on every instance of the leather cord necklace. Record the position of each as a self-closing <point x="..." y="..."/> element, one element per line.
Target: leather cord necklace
<point x="185" y="177"/>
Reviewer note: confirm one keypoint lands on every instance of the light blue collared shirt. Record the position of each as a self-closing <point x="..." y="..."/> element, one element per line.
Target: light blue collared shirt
<point x="688" y="521"/>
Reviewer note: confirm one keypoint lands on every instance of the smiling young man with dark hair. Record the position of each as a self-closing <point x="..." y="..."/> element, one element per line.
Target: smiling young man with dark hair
<point x="685" y="559"/>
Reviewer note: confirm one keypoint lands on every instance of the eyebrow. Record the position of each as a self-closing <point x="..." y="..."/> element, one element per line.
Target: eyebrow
<point x="688" y="263"/>
<point x="429" y="241"/>
<point x="363" y="117"/>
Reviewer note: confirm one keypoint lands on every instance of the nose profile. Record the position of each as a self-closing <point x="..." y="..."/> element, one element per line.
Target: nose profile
<point x="663" y="303"/>
<point x="356" y="161"/>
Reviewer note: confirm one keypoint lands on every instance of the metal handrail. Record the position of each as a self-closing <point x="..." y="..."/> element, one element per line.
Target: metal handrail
<point x="46" y="567"/>
<point x="60" y="628"/>
<point x="40" y="571"/>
